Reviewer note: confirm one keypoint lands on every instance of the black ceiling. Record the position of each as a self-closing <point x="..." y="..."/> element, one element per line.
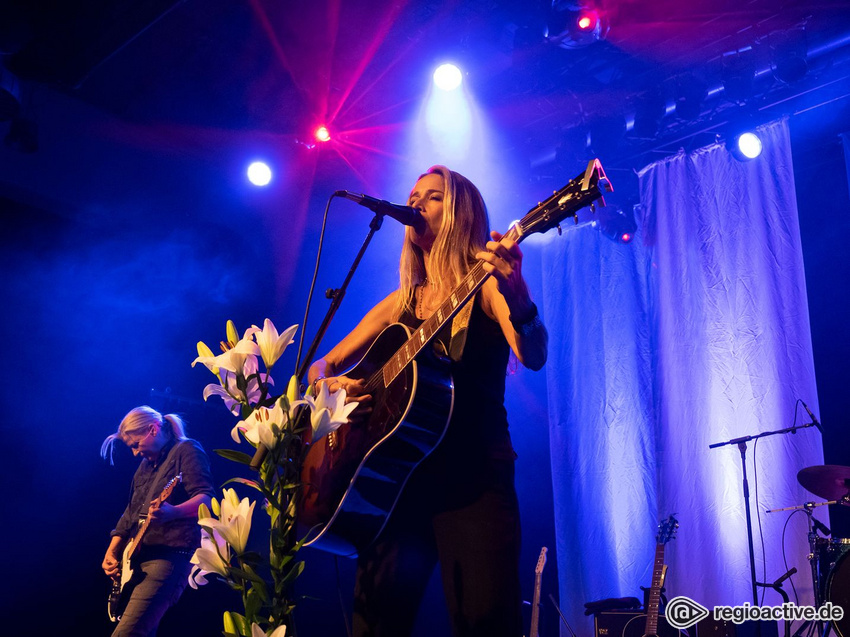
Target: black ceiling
<point x="276" y="67"/>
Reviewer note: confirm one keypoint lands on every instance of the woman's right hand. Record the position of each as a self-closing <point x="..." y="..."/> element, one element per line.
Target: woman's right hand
<point x="355" y="392"/>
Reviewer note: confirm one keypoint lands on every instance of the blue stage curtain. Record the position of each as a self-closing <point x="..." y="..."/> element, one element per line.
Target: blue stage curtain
<point x="696" y="332"/>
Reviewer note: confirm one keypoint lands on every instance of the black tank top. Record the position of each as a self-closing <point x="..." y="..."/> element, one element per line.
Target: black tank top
<point x="479" y="425"/>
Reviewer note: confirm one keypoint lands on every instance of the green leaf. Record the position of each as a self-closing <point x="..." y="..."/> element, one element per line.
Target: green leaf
<point x="237" y="456"/>
<point x="254" y="601"/>
<point x="293" y="573"/>
<point x="246" y="574"/>
<point x="254" y="485"/>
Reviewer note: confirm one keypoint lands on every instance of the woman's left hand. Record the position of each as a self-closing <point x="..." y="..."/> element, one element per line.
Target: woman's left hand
<point x="503" y="260"/>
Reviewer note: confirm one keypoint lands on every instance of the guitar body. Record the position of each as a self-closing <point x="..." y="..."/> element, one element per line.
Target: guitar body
<point x="352" y="478"/>
<point x="636" y="627"/>
<point x="117" y="601"/>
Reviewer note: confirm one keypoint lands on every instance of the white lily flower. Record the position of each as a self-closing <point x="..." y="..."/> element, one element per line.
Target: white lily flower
<point x="208" y="558"/>
<point x="257" y="428"/>
<point x="256" y="631"/>
<point x="234" y="524"/>
<point x="271" y="343"/>
<point x="233" y="360"/>
<point x="229" y="390"/>
<point x="329" y="410"/>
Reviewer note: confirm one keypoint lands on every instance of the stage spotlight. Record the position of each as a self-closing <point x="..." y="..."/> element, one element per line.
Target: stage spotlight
<point x="690" y="94"/>
<point x="573" y="24"/>
<point x="259" y="173"/>
<point x="745" y="146"/>
<point x="322" y="134"/>
<point x="616" y="224"/>
<point x="587" y="20"/>
<point x="738" y="75"/>
<point x="447" y="77"/>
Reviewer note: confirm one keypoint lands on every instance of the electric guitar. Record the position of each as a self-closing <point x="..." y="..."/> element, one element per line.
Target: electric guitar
<point x="352" y="478"/>
<point x="116" y="602"/>
<point x="535" y="600"/>
<point x="649" y="628"/>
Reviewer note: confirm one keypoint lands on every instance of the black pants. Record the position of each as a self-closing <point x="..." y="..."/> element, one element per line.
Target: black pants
<point x="469" y="523"/>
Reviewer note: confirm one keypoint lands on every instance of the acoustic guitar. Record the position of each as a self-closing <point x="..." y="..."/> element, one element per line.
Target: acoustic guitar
<point x="117" y="596"/>
<point x="637" y="627"/>
<point x="352" y="478"/>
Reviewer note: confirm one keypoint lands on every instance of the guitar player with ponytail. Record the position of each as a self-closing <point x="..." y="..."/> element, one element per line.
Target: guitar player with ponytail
<point x="158" y="532"/>
<point x="458" y="508"/>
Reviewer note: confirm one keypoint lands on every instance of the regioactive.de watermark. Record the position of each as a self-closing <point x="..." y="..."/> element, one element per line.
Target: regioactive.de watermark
<point x="683" y="612"/>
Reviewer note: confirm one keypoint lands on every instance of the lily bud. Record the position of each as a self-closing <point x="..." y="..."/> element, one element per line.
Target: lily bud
<point x="232" y="335"/>
<point x="292" y="390"/>
<point x="230" y="624"/>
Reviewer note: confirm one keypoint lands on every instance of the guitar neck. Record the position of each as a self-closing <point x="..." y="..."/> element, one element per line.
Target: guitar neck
<point x="426" y="332"/>
<point x="655" y="592"/>
<point x="535" y="607"/>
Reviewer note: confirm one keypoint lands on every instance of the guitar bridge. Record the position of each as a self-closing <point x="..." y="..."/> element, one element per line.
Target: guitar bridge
<point x="333" y="440"/>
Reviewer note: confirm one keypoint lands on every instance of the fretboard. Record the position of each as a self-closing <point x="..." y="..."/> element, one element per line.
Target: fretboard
<point x="426" y="332"/>
<point x="655" y="592"/>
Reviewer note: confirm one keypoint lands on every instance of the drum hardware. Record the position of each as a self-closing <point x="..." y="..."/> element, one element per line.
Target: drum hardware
<point x="830" y="566"/>
<point x="777" y="586"/>
<point x="814" y="543"/>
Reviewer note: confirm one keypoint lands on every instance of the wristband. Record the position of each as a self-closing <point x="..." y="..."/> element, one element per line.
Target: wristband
<point x="530" y="324"/>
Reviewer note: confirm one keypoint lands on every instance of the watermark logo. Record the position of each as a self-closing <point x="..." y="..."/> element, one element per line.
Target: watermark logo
<point x="683" y="612"/>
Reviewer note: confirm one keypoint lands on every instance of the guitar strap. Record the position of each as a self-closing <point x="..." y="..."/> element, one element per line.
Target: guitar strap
<point x="460" y="327"/>
<point x="155" y="487"/>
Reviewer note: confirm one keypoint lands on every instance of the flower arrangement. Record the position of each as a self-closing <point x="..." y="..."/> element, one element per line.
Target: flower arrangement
<point x="269" y="421"/>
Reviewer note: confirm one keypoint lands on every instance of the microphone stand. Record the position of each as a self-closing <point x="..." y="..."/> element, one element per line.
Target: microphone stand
<point x="336" y="296"/>
<point x="742" y="446"/>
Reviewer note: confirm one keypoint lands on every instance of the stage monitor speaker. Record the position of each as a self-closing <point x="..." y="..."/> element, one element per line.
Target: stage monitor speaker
<point x="633" y="624"/>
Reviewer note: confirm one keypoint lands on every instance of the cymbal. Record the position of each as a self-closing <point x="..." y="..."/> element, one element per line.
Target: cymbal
<point x="830" y="481"/>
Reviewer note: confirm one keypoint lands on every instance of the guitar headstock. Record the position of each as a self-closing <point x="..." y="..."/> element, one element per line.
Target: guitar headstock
<point x="667" y="530"/>
<point x="566" y="202"/>
<point x="169" y="486"/>
<point x="541" y="561"/>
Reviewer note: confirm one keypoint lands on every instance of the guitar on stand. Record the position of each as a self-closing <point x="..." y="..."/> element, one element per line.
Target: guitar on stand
<point x="117" y="601"/>
<point x="535" y="600"/>
<point x="649" y="628"/>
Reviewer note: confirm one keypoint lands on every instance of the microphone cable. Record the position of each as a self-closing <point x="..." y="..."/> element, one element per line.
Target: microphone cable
<point x="298" y="361"/>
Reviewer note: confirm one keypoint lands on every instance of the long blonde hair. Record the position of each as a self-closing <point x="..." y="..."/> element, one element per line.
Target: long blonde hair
<point x="138" y="420"/>
<point x="465" y="231"/>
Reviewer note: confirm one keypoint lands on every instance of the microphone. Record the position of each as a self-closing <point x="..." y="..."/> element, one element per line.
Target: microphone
<point x="812" y="416"/>
<point x="820" y="526"/>
<point x="403" y="214"/>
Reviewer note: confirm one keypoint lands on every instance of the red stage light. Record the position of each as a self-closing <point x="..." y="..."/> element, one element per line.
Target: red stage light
<point x="323" y="134"/>
<point x="626" y="237"/>
<point x="587" y="20"/>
